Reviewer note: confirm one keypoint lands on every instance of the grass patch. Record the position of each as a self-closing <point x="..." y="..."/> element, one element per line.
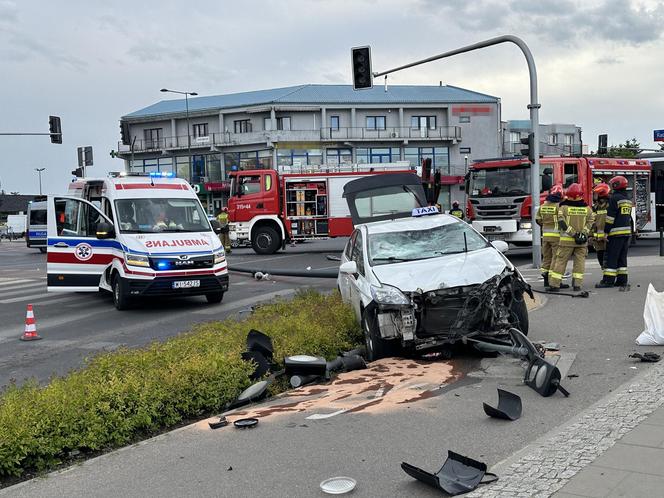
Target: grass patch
<point x="130" y="394"/>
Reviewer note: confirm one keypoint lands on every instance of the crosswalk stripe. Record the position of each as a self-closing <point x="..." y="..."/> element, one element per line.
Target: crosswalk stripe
<point x="14" y="281"/>
<point x="21" y="289"/>
<point x="33" y="297"/>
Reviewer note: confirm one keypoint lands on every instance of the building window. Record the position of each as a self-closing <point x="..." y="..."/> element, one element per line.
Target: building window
<point x="440" y="157"/>
<point x="464" y="119"/>
<point x="284" y="123"/>
<point x="419" y="122"/>
<point x="334" y="123"/>
<point x="339" y="156"/>
<point x="200" y="130"/>
<point x="464" y="150"/>
<point x="515" y="137"/>
<point x="153" y="137"/>
<point x="255" y="159"/>
<point x="553" y="139"/>
<point x="242" y="126"/>
<point x="377" y="155"/>
<point x="375" y="122"/>
<point x="569" y="139"/>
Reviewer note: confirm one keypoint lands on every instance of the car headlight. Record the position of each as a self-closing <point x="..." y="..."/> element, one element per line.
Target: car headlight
<point x="137" y="260"/>
<point x="526" y="225"/>
<point x="388" y="295"/>
<point x="219" y="257"/>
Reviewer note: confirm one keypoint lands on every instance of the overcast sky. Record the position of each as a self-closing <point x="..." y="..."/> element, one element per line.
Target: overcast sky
<point x="599" y="62"/>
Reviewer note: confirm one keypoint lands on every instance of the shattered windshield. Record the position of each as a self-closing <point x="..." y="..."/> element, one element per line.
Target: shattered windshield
<point x="410" y="245"/>
<point x="500" y="181"/>
<point x="161" y="215"/>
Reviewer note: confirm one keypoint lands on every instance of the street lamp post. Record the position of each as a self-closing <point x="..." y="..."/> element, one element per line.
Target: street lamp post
<point x="39" y="171"/>
<point x="186" y="103"/>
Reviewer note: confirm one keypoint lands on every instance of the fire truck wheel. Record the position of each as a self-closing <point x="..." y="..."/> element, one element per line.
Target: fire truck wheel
<point x="214" y="297"/>
<point x="120" y="295"/>
<point x="266" y="240"/>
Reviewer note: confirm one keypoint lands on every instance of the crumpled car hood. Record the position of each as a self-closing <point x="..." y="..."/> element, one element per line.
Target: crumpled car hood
<point x="453" y="270"/>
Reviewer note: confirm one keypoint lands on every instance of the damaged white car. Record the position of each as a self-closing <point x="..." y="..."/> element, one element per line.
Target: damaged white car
<point x="421" y="281"/>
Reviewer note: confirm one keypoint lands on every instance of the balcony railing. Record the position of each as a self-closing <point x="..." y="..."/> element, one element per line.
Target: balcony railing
<point x="327" y="134"/>
<point x="546" y="149"/>
<point x="392" y="133"/>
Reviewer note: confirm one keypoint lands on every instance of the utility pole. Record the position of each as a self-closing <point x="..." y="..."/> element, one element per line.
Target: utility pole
<point x="39" y="172"/>
<point x="533" y="106"/>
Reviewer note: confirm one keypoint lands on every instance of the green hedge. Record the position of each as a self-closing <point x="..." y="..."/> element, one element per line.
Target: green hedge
<point x="129" y="394"/>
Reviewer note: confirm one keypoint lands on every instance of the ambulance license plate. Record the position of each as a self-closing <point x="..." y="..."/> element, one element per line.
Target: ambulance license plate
<point x="186" y="284"/>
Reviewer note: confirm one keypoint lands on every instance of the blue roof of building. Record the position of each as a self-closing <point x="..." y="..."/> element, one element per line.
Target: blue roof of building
<point x="319" y="94"/>
<point x="519" y="124"/>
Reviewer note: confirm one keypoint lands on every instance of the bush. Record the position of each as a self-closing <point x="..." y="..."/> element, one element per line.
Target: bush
<point x="120" y="397"/>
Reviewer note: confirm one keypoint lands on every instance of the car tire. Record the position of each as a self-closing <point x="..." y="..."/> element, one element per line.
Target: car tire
<point x="214" y="297"/>
<point x="120" y="294"/>
<point x="266" y="240"/>
<point x="519" y="312"/>
<point x="377" y="347"/>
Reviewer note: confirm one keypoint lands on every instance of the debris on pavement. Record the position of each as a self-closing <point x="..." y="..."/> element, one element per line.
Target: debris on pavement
<point x="458" y="475"/>
<point x="259" y="275"/>
<point x="648" y="357"/>
<point x="302" y="380"/>
<point x="254" y="392"/>
<point x="544" y="378"/>
<point x="305" y="365"/>
<point x="338" y="485"/>
<point x="246" y="423"/>
<point x="222" y="422"/>
<point x="346" y="364"/>
<point x="509" y="406"/>
<point x="332" y="257"/>
<point x="259" y="350"/>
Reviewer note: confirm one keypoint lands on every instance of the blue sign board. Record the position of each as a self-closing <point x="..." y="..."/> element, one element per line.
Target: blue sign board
<point x="658" y="135"/>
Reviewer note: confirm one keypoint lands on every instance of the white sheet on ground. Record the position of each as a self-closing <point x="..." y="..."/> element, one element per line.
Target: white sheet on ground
<point x="653" y="316"/>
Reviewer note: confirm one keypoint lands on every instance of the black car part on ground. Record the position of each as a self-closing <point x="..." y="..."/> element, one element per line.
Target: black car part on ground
<point x="222" y="422"/>
<point x="246" y="423"/>
<point x="262" y="367"/>
<point x="509" y="406"/>
<point x="570" y="294"/>
<point x="458" y="475"/>
<point x="286" y="273"/>
<point x="648" y="357"/>
<point x="544" y="378"/>
<point x="346" y="363"/>
<point x="258" y="341"/>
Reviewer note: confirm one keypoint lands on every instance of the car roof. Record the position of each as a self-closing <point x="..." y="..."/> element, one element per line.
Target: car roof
<point x="412" y="223"/>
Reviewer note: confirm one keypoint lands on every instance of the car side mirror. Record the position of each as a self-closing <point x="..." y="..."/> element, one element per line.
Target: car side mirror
<point x="105" y="230"/>
<point x="500" y="245"/>
<point x="349" y="267"/>
<point x="216" y="226"/>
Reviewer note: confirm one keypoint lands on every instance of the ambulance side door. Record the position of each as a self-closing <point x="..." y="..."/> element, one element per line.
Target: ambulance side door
<point x="75" y="257"/>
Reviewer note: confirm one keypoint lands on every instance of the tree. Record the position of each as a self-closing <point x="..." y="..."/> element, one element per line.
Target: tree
<point x="630" y="148"/>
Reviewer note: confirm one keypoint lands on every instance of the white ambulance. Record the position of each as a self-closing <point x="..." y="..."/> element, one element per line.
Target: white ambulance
<point x="136" y="236"/>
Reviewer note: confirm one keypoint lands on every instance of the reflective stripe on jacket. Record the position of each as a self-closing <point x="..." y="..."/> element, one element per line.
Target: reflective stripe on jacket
<point x="619" y="215"/>
<point x="547" y="218"/>
<point x="574" y="219"/>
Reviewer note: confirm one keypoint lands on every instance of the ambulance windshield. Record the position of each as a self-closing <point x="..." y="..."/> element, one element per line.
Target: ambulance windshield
<point x="161" y="215"/>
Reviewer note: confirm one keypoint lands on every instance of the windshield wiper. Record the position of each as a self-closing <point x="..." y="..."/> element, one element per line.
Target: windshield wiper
<point x="391" y="258"/>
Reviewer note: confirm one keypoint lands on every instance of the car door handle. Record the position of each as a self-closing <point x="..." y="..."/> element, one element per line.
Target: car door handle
<point x="60" y="244"/>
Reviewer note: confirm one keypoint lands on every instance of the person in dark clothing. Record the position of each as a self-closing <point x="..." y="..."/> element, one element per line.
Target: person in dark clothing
<point x="618" y="230"/>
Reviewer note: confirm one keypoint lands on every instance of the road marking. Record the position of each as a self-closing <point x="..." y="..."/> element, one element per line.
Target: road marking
<point x="14" y="281"/>
<point x="21" y="289"/>
<point x="33" y="297"/>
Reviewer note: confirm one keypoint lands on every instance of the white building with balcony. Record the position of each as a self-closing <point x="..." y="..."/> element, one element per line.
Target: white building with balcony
<point x="556" y="139"/>
<point x="312" y="125"/>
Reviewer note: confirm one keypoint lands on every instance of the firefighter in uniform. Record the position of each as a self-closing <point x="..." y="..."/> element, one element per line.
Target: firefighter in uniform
<point x="575" y="219"/>
<point x="225" y="238"/>
<point x="618" y="230"/>
<point x="600" y="206"/>
<point x="547" y="218"/>
<point x="456" y="211"/>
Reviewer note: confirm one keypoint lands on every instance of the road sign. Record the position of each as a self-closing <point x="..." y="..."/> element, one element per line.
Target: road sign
<point x="84" y="156"/>
<point x="658" y="135"/>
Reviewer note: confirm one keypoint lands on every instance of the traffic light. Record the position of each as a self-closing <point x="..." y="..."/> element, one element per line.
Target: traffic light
<point x="124" y="133"/>
<point x="361" y="61"/>
<point x="529" y="150"/>
<point x="55" y="129"/>
<point x="602" y="142"/>
<point x="78" y="172"/>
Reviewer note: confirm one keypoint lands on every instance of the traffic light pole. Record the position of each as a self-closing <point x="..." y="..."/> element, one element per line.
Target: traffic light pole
<point x="534" y="120"/>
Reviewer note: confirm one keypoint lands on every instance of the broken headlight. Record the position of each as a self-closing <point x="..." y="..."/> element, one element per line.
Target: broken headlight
<point x="388" y="295"/>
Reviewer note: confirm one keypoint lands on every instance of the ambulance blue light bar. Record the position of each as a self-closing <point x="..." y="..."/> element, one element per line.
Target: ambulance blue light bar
<point x="161" y="174"/>
<point x="424" y="211"/>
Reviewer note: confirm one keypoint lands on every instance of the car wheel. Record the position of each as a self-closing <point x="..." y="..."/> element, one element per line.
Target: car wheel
<point x="519" y="312"/>
<point x="377" y="347"/>
<point x="120" y="295"/>
<point x="265" y="240"/>
<point x="214" y="297"/>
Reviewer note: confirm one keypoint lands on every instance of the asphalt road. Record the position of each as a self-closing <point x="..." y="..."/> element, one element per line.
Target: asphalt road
<point x="303" y="439"/>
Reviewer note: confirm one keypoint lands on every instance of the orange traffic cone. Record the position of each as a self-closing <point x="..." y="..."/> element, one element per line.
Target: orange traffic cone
<point x="30" y="333"/>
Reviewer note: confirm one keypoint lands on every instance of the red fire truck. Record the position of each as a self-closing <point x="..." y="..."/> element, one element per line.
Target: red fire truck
<point x="499" y="201"/>
<point x="269" y="207"/>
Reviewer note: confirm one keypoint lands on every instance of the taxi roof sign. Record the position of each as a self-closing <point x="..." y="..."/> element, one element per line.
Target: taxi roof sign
<point x="424" y="211"/>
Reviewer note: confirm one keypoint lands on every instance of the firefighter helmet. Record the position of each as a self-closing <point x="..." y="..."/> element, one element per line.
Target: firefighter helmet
<point x="574" y="192"/>
<point x="618" y="182"/>
<point x="602" y="190"/>
<point x="557" y="189"/>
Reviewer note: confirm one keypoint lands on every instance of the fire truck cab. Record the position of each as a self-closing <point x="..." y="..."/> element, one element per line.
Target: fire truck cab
<point x="499" y="192"/>
<point x="133" y="235"/>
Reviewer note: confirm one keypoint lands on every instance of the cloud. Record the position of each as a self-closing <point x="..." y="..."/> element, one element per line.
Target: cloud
<point x="25" y="48"/>
<point x="8" y="12"/>
<point x="609" y="60"/>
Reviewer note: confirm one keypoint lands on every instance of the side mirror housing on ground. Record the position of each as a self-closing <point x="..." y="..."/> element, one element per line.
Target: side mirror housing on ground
<point x="216" y="226"/>
<point x="500" y="245"/>
<point x="349" y="267"/>
<point x="105" y="230"/>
